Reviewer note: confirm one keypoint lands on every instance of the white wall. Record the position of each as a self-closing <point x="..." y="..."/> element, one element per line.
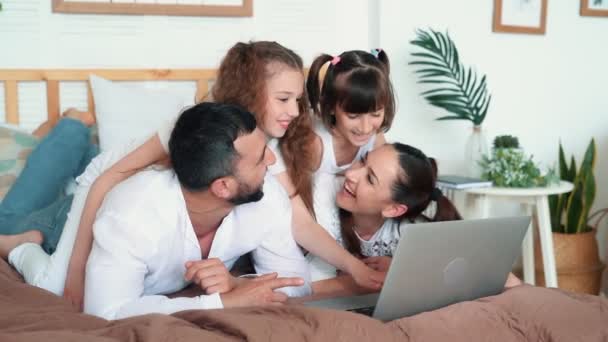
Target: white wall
<point x="39" y="38"/>
<point x="34" y="37"/>
<point x="544" y="87"/>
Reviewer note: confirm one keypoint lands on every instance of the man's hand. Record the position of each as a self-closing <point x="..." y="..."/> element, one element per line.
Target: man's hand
<point x="259" y="291"/>
<point x="211" y="275"/>
<point x="379" y="263"/>
<point x="368" y="278"/>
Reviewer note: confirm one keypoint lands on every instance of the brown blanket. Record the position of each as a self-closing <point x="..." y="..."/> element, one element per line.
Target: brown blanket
<point x="524" y="313"/>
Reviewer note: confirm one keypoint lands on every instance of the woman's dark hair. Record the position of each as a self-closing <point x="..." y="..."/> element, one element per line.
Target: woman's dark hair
<point x="415" y="188"/>
<point x="357" y="82"/>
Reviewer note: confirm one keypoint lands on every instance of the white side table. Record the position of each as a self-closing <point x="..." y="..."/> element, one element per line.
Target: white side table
<point x="527" y="197"/>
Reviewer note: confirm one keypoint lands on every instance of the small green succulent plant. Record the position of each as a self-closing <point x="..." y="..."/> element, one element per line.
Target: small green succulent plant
<point x="508" y="166"/>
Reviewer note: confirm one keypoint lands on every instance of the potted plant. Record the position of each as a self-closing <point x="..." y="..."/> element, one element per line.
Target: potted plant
<point x="457" y="89"/>
<point x="577" y="260"/>
<point x="508" y="166"/>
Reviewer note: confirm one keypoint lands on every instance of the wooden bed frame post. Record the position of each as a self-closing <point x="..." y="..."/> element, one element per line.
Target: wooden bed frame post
<point x="11" y="102"/>
<point x="52" y="100"/>
<point x="202" y="89"/>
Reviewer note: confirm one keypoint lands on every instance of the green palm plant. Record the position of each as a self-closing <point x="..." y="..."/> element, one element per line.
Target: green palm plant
<point x="459" y="90"/>
<point x="570" y="211"/>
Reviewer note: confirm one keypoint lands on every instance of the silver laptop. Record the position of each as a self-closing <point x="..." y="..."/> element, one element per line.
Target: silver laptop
<point x="440" y="263"/>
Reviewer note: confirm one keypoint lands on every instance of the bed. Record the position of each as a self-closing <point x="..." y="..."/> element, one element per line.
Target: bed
<point x="523" y="313"/>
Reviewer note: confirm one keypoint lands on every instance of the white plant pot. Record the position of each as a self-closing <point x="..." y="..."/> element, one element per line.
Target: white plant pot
<point x="476" y="147"/>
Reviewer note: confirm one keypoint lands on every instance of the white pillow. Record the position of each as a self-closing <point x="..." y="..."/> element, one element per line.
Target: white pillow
<point x="126" y="113"/>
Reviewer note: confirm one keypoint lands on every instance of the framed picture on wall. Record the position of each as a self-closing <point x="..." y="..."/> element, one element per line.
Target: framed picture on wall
<point x="521" y="16"/>
<point x="594" y="8"/>
<point x="215" y="8"/>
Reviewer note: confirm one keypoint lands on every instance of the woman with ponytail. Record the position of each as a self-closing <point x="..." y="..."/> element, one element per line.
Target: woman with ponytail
<point x="389" y="185"/>
<point x="393" y="183"/>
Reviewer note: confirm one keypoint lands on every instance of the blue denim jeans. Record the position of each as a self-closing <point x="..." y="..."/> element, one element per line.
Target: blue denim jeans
<point x="37" y="199"/>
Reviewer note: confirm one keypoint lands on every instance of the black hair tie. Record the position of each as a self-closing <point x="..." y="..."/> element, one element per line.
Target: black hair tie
<point x="436" y="194"/>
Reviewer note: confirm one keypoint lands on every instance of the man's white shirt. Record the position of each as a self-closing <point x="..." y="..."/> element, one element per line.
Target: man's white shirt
<point x="143" y="237"/>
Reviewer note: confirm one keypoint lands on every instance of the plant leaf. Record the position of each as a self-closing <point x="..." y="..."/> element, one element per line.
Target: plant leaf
<point x="563" y="166"/>
<point x="479" y="95"/>
<point x="444" y="118"/>
<point x="588" y="198"/>
<point x="587" y="183"/>
<point x="427" y="55"/>
<point x="432" y="73"/>
<point x="574" y="207"/>
<point x="454" y="108"/>
<point x="448" y="81"/>
<point x="553" y="206"/>
<point x="447" y="88"/>
<point x="435" y="64"/>
<point x="572" y="172"/>
<point x="589" y="157"/>
<point x="561" y="199"/>
<point x="447" y="97"/>
<point x="465" y="95"/>
<point x="484" y="110"/>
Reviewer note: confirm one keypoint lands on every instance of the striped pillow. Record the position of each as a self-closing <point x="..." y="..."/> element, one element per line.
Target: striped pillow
<point x="15" y="147"/>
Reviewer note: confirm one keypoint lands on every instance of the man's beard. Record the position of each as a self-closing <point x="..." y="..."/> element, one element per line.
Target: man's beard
<point x="246" y="194"/>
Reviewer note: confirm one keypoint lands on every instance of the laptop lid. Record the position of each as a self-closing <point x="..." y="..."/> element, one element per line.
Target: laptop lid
<point x="441" y="263"/>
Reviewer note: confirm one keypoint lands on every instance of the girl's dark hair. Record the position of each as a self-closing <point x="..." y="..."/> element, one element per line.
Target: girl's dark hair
<point x="241" y="80"/>
<point x="414" y="188"/>
<point x="358" y="83"/>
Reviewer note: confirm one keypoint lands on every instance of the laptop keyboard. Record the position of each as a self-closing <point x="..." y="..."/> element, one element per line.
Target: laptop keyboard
<point x="368" y="311"/>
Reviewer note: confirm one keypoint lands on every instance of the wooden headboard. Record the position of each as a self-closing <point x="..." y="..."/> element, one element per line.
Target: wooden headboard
<point x="52" y="78"/>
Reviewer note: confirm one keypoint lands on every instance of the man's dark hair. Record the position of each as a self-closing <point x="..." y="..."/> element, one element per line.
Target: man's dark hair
<point x="201" y="146"/>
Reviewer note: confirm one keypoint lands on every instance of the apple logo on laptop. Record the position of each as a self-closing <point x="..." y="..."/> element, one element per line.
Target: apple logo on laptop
<point x="456" y="277"/>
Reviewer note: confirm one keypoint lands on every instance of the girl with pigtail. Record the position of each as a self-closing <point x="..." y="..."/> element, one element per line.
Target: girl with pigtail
<point x="353" y="104"/>
<point x="384" y="184"/>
